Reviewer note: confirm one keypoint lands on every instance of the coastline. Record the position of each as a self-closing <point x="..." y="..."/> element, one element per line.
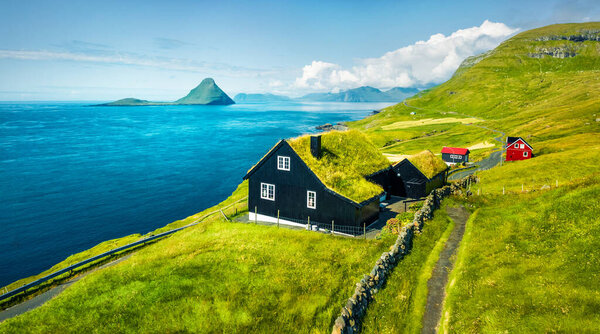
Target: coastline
<point x="120" y="241"/>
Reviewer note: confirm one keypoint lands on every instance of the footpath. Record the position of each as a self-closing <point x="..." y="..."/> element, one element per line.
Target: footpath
<point x="436" y="285"/>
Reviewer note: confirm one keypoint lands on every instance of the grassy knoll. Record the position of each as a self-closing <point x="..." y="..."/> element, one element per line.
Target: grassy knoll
<point x="399" y="307"/>
<point x="531" y="263"/>
<point x="215" y="277"/>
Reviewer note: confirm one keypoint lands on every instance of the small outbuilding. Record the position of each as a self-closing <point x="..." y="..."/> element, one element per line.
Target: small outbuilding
<point x="518" y="149"/>
<point x="455" y="155"/>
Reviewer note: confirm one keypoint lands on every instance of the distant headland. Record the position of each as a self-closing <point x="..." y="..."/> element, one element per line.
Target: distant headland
<point x="206" y="93"/>
<point x="360" y="94"/>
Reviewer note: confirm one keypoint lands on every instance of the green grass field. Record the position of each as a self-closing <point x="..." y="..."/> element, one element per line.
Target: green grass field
<point x="530" y="259"/>
<point x="215" y="277"/>
<point x="399" y="307"/>
<point x="531" y="264"/>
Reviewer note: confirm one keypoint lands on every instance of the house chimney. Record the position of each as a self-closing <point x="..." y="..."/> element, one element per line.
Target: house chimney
<point x="315" y="146"/>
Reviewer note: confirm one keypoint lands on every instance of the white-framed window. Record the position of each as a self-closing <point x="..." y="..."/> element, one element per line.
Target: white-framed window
<point x="283" y="163"/>
<point x="267" y="191"/>
<point x="522" y="146"/>
<point x="311" y="199"/>
<point x="525" y="153"/>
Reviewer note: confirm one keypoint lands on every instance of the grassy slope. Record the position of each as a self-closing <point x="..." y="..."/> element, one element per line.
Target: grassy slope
<point x="215" y="277"/>
<point x="532" y="263"/>
<point x="239" y="194"/>
<point x="549" y="101"/>
<point x="398" y="308"/>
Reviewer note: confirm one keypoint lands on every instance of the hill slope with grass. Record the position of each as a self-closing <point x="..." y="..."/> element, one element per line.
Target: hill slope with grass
<point x="530" y="259"/>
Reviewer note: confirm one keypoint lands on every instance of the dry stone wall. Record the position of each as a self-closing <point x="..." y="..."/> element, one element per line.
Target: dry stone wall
<point x="351" y="314"/>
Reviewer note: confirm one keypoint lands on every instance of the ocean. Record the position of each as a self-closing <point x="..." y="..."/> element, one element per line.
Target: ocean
<point x="73" y="175"/>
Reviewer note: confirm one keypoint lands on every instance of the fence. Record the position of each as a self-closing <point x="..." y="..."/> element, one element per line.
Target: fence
<point x="331" y="227"/>
<point x="406" y="202"/>
<point x="26" y="289"/>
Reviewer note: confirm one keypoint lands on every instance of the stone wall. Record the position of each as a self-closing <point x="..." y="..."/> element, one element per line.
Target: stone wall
<point x="356" y="306"/>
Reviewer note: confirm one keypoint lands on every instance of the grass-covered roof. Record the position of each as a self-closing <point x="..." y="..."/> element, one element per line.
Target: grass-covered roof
<point x="428" y="163"/>
<point x="347" y="157"/>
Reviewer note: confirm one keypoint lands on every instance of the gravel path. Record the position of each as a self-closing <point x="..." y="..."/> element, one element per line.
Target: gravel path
<point x="42" y="298"/>
<point x="439" y="278"/>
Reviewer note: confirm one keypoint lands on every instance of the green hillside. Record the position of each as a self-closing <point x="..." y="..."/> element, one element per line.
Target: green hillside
<point x="530" y="259"/>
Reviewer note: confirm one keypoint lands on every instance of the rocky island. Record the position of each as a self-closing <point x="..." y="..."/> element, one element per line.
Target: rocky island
<point x="206" y="93"/>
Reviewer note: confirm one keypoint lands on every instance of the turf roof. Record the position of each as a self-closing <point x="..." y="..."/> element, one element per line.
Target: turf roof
<point x="428" y="163"/>
<point x="347" y="157"/>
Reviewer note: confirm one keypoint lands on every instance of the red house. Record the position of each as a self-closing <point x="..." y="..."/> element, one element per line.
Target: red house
<point x="455" y="155"/>
<point x="517" y="149"/>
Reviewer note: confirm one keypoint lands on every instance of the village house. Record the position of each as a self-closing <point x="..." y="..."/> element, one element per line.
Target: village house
<point x="455" y="155"/>
<point x="337" y="176"/>
<point x="518" y="149"/>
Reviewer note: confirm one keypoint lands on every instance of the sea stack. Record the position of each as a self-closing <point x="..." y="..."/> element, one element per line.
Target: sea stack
<point x="207" y="92"/>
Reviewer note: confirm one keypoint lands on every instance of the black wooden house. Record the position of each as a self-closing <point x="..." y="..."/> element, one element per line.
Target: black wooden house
<point x="340" y="179"/>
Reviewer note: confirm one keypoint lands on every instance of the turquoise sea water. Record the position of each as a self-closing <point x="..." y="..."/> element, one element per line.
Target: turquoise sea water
<point x="72" y="176"/>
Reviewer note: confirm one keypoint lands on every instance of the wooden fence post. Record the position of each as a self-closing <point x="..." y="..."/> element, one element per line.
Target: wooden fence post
<point x="255" y="214"/>
<point x="277" y="218"/>
<point x="332" y="226"/>
<point x="522" y="187"/>
<point x="556" y="183"/>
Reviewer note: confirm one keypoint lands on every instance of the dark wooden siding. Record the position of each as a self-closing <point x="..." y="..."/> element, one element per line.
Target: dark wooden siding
<point x="290" y="193"/>
<point x="455" y="158"/>
<point x="416" y="184"/>
<point x="389" y="180"/>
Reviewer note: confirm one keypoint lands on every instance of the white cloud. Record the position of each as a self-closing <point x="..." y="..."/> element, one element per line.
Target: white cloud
<point x="419" y="64"/>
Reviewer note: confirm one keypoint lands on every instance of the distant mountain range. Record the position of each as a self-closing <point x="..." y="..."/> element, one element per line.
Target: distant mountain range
<point x="257" y="98"/>
<point x="206" y="93"/>
<point x="361" y="94"/>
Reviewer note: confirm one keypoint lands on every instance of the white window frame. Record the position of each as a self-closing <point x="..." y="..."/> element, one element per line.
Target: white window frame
<point x="522" y="145"/>
<point x="264" y="191"/>
<point x="525" y="154"/>
<point x="281" y="163"/>
<point x="314" y="203"/>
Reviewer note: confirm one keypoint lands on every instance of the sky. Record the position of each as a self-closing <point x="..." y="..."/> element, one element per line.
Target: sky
<point x="159" y="50"/>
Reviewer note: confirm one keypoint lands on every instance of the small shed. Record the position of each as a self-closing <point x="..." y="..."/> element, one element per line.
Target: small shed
<point x="455" y="155"/>
<point x="419" y="174"/>
<point x="518" y="149"/>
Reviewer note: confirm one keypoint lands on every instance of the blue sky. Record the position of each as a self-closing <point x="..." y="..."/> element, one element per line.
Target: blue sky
<point x="105" y="50"/>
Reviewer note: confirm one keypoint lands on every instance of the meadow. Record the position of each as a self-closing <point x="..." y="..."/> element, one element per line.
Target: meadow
<point x="529" y="263"/>
<point x="400" y="305"/>
<point x="217" y="276"/>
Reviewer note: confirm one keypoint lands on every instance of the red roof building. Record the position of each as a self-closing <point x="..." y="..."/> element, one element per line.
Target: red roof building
<point x="455" y="155"/>
<point x="517" y="149"/>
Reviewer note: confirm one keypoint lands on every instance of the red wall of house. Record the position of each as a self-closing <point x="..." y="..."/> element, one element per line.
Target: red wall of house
<point x="513" y="154"/>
